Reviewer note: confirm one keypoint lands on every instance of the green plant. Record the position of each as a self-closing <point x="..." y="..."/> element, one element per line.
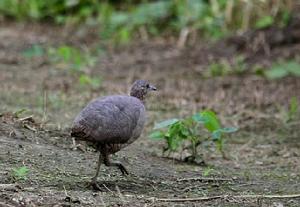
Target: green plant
<point x="121" y="21"/>
<point x="289" y="114"/>
<point x="283" y="69"/>
<point x="19" y="112"/>
<point x="34" y="51"/>
<point x="292" y="109"/>
<point x="71" y="57"/>
<point x="224" y="67"/>
<point x="264" y="22"/>
<point x="20" y="173"/>
<point x="218" y="69"/>
<point x="77" y="62"/>
<point x="177" y="131"/>
<point x="207" y="171"/>
<point x="60" y="11"/>
<point x="84" y="79"/>
<point x="120" y="26"/>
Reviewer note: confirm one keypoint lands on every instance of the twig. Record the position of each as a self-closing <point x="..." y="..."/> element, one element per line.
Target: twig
<point x="29" y="118"/>
<point x="29" y="127"/>
<point x="204" y="179"/>
<point x="66" y="193"/>
<point x="188" y="199"/>
<point x="107" y="188"/>
<point x="205" y="198"/>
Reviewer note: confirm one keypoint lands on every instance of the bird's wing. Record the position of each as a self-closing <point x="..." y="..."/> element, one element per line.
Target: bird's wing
<point x="110" y="120"/>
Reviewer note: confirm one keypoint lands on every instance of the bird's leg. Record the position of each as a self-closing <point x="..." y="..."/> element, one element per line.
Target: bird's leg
<point x="121" y="167"/>
<point x="94" y="179"/>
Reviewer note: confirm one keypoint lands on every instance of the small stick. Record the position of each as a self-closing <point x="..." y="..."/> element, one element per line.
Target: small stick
<point x="107" y="188"/>
<point x="188" y="199"/>
<point x="30" y="118"/>
<point x="66" y="193"/>
<point x="204" y="179"/>
<point x="205" y="198"/>
<point x="29" y="127"/>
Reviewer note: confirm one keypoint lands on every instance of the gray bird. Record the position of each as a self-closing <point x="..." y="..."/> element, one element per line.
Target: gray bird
<point x="112" y="123"/>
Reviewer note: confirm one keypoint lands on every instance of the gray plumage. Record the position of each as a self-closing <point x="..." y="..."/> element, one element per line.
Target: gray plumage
<point x="112" y="119"/>
<point x="113" y="122"/>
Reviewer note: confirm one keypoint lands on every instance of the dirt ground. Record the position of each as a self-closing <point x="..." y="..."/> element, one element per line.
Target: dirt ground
<point x="264" y="155"/>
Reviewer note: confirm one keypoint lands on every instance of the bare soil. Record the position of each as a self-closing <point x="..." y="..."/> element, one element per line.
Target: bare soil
<point x="264" y="155"/>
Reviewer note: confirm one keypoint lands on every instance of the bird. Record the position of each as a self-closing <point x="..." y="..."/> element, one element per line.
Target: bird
<point x="111" y="123"/>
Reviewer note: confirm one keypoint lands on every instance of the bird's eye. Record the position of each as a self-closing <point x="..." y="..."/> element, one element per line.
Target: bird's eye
<point x="147" y="86"/>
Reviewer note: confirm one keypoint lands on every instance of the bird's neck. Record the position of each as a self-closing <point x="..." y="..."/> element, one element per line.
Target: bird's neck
<point x="138" y="95"/>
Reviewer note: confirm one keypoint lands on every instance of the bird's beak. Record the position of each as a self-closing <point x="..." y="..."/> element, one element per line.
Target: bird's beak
<point x="152" y="88"/>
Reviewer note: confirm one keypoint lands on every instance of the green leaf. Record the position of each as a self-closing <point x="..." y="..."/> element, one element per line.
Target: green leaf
<point x="293" y="68"/>
<point x="124" y="35"/>
<point x="184" y="131"/>
<point x="220" y="144"/>
<point x="19" y="112"/>
<point x="174" y="129"/>
<point x="21" y="172"/>
<point x="264" y="22"/>
<point x="211" y="122"/>
<point x="157" y="135"/>
<point x="118" y="19"/>
<point x="286" y="17"/>
<point x="276" y="72"/>
<point x="216" y="135"/>
<point x="229" y="129"/>
<point x="65" y="52"/>
<point x="199" y="118"/>
<point x="173" y="143"/>
<point x="165" y="123"/>
<point x="87" y="80"/>
<point x="207" y="171"/>
<point x="34" y="51"/>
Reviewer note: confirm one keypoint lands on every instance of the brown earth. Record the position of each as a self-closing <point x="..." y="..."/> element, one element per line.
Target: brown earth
<point x="263" y="154"/>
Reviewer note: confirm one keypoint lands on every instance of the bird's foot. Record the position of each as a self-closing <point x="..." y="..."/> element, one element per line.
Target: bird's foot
<point x="118" y="164"/>
<point x="123" y="170"/>
<point x="94" y="185"/>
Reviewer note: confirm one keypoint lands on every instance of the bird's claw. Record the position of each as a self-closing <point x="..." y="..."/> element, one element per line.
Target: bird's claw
<point x="123" y="169"/>
<point x="94" y="185"/>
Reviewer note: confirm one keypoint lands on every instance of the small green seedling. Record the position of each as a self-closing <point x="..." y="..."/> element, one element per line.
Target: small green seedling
<point x="177" y="131"/>
<point x="293" y="109"/>
<point x="34" y="51"/>
<point x="281" y="70"/>
<point x="84" y="79"/>
<point x="19" y="112"/>
<point x="207" y="171"/>
<point x="291" y="112"/>
<point x="265" y="21"/>
<point x="20" y="173"/>
<point x="76" y="62"/>
<point x="225" y="68"/>
<point x="71" y="57"/>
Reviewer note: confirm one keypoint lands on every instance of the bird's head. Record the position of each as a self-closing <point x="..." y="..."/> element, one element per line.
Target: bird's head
<point x="140" y="88"/>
